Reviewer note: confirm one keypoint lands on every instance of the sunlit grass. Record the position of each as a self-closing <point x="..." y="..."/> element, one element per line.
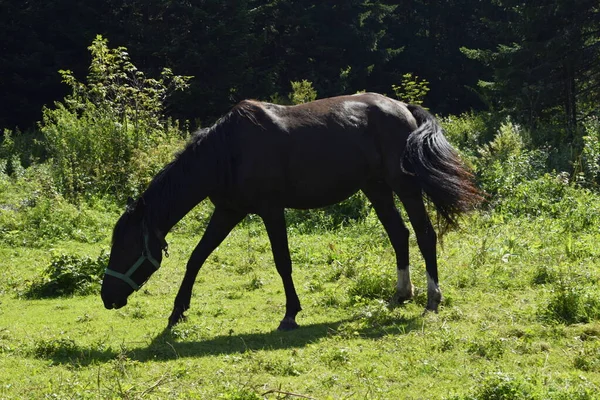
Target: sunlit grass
<point x="492" y="333"/>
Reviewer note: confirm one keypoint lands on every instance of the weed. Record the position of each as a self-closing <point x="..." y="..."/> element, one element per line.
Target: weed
<point x="255" y="283"/>
<point x="570" y="304"/>
<point x="543" y="275"/>
<point x="279" y="367"/>
<point x="240" y="394"/>
<point x="589" y="358"/>
<point x="370" y="284"/>
<point x="500" y="386"/>
<point x="375" y="312"/>
<point x="490" y="349"/>
<point x="335" y="357"/>
<point x="68" y="275"/>
<point x="62" y="348"/>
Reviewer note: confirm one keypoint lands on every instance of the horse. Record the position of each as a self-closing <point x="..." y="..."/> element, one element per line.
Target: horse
<point x="261" y="158"/>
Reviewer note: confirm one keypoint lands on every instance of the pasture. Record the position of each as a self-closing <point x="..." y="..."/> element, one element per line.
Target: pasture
<point x="520" y="319"/>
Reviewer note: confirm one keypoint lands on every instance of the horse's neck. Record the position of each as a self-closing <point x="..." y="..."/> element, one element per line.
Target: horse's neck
<point x="179" y="190"/>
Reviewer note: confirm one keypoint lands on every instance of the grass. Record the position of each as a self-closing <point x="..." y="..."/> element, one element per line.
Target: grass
<point x="498" y="334"/>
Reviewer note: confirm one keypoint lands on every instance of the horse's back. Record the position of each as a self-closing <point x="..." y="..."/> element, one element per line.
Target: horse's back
<point x="317" y="153"/>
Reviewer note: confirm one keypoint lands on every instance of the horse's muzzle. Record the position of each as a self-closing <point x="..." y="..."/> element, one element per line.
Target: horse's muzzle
<point x="109" y="305"/>
<point x="111" y="301"/>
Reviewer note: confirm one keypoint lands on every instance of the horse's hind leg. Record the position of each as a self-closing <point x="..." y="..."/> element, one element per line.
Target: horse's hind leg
<point x="276" y="229"/>
<point x="412" y="199"/>
<point x="221" y="223"/>
<point x="382" y="198"/>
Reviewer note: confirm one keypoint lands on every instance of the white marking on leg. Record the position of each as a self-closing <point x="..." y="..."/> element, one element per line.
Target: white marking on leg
<point x="431" y="285"/>
<point x="404" y="287"/>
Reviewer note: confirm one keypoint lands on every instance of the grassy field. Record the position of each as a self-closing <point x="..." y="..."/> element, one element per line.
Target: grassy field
<point x="521" y="320"/>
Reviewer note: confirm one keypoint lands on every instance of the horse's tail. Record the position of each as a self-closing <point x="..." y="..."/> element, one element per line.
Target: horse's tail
<point x="442" y="175"/>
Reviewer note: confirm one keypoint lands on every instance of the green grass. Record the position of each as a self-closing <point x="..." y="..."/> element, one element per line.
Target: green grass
<point x="498" y="334"/>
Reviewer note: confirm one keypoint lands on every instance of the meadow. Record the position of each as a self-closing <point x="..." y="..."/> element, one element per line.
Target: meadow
<point x="520" y="318"/>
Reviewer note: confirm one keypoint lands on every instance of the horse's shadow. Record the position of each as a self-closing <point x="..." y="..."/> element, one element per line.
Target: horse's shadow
<point x="168" y="344"/>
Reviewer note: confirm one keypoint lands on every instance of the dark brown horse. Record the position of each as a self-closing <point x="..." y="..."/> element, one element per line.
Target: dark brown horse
<point x="262" y="158"/>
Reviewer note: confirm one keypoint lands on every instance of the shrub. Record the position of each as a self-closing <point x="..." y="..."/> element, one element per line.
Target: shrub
<point x="20" y="149"/>
<point x="412" y="89"/>
<point x="590" y="157"/>
<point x="302" y="92"/>
<point x="466" y="131"/>
<point x="69" y="275"/>
<point x="354" y="209"/>
<point x="96" y="132"/>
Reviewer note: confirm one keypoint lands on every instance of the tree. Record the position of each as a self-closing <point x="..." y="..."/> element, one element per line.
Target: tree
<point x="546" y="62"/>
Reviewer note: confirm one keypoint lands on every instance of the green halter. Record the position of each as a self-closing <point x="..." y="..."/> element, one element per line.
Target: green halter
<point x="146" y="255"/>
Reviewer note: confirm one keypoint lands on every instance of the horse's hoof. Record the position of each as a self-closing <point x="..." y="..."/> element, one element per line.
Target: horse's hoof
<point x="428" y="310"/>
<point x="174" y="319"/>
<point x="401" y="298"/>
<point x="287" y="324"/>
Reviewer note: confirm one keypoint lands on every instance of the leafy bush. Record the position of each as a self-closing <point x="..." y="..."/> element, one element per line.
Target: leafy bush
<point x="466" y="131"/>
<point x="352" y="210"/>
<point x="302" y="92"/>
<point x="412" y="89"/>
<point x="69" y="275"/>
<point x="98" y="130"/>
<point x="19" y="149"/>
<point x="590" y="157"/>
<point x="32" y="213"/>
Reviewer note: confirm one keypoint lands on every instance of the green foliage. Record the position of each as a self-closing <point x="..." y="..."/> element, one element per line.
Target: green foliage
<point x="352" y="210"/>
<point x="62" y="348"/>
<point x="467" y="132"/>
<point x="590" y="157"/>
<point x="412" y="89"/>
<point x="302" y="92"/>
<point x="34" y="214"/>
<point x="508" y="142"/>
<point x="103" y="126"/>
<point x="372" y="284"/>
<point x="536" y="74"/>
<point x="570" y="303"/>
<point x="240" y="394"/>
<point x="504" y="387"/>
<point x="589" y="357"/>
<point x="69" y="275"/>
<point x="488" y="348"/>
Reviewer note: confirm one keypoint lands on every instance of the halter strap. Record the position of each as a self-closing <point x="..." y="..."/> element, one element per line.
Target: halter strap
<point x="146" y="255"/>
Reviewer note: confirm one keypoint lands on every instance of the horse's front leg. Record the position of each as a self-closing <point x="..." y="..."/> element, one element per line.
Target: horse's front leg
<point x="276" y="229"/>
<point x="221" y="223"/>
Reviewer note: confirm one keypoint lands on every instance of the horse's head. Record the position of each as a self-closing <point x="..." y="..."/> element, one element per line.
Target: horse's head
<point x="135" y="255"/>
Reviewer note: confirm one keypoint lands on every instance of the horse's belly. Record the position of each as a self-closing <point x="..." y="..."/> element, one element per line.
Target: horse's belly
<point x="319" y="193"/>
